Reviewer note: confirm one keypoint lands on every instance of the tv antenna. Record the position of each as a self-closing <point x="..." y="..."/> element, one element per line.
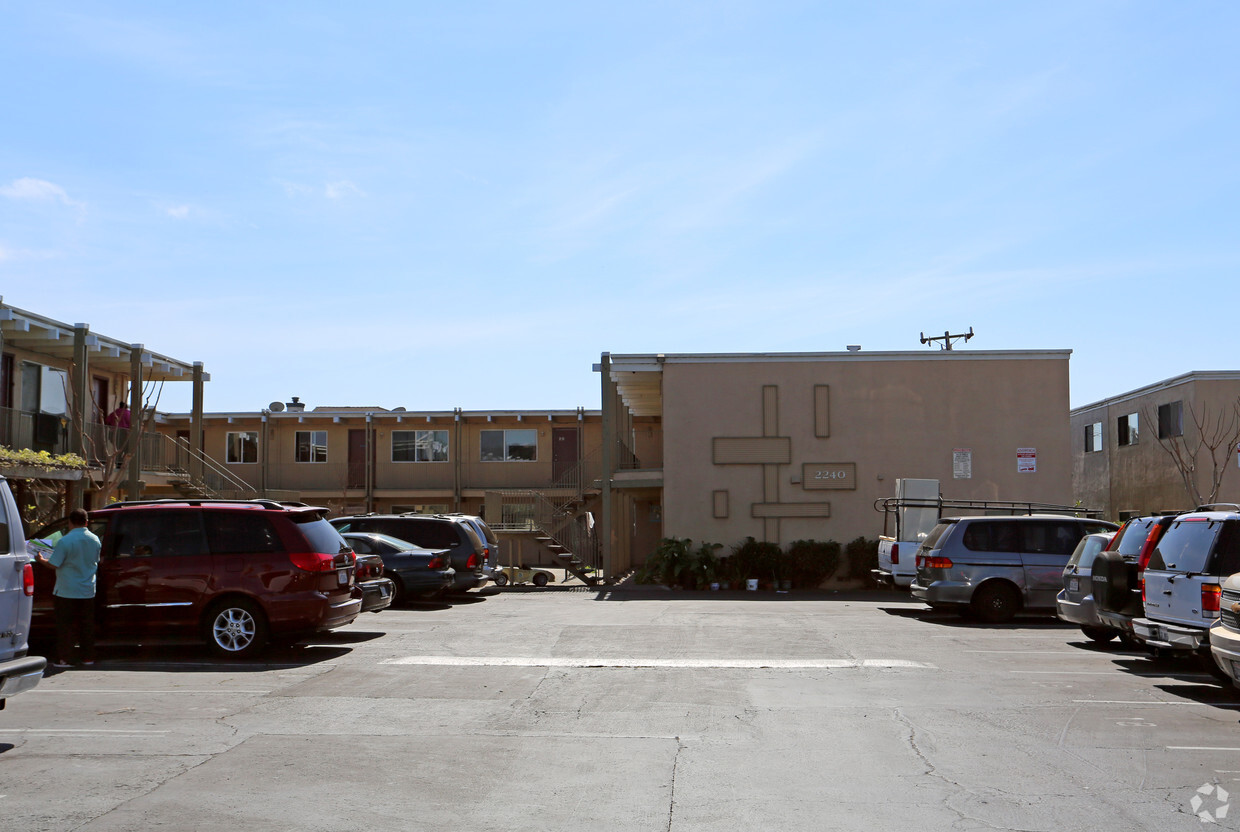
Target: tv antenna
<point x="947" y="338"/>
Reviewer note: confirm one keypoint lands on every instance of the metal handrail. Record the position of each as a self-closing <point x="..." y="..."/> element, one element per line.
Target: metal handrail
<point x="223" y="478"/>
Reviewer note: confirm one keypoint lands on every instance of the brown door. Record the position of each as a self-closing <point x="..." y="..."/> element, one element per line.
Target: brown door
<point x="357" y="458"/>
<point x="563" y="451"/>
<point x="99" y="399"/>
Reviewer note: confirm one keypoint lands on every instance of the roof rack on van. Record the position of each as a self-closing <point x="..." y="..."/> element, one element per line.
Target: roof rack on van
<point x="196" y="501"/>
<point x="890" y="505"/>
<point x="1218" y="507"/>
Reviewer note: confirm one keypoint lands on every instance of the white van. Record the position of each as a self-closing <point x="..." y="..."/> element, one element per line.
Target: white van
<point x="19" y="672"/>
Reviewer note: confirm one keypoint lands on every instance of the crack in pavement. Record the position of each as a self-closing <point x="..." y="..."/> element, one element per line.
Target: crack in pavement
<point x="671" y="802"/>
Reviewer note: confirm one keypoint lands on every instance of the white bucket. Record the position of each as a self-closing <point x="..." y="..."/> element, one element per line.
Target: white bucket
<point x="714" y="586"/>
<point x="751" y="584"/>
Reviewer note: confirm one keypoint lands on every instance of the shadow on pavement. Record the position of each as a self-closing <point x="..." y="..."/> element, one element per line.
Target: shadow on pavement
<point x="733" y="595"/>
<point x="192" y="657"/>
<point x="950" y="618"/>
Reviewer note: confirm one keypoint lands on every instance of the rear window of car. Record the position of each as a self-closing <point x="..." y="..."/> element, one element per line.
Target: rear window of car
<point x="992" y="536"/>
<point x="1186" y="545"/>
<point x="932" y="539"/>
<point x="1227" y="550"/>
<point x="1132" y="537"/>
<point x="321" y="535"/>
<point x="1085" y="552"/>
<point x="429" y="534"/>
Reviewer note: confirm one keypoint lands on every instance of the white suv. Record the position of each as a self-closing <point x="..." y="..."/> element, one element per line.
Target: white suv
<point x="18" y="671"/>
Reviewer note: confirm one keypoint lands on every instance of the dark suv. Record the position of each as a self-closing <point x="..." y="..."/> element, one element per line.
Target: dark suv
<point x="466" y="550"/>
<point x="235" y="574"/>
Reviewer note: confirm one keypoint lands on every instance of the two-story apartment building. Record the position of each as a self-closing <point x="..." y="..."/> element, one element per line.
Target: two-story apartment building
<point x="67" y="389"/>
<point x="1124" y="448"/>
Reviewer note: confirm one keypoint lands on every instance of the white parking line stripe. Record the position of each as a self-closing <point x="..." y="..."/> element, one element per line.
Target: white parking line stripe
<point x="1037" y="652"/>
<point x="78" y="731"/>
<point x="1113" y="672"/>
<point x="131" y="691"/>
<point x="1200" y="748"/>
<point x="1149" y="702"/>
<point x="725" y="664"/>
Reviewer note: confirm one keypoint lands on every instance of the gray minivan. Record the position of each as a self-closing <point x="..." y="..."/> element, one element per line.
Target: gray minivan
<point x="996" y="566"/>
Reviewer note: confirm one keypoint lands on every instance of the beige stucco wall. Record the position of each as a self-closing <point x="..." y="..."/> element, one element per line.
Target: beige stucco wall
<point x="1142" y="477"/>
<point x="895" y="415"/>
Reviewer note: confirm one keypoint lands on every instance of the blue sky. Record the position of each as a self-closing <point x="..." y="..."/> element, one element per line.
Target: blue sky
<point x="433" y="205"/>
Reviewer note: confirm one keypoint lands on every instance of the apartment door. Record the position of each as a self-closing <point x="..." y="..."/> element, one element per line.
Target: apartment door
<point x="563" y="451"/>
<point x="357" y="458"/>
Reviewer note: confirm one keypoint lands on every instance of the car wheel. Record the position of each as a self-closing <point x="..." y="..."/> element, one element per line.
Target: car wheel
<point x="540" y="579"/>
<point x="1101" y="635"/>
<point x="236" y="629"/>
<point x="996" y="602"/>
<point x="501" y="579"/>
<point x="399" y="594"/>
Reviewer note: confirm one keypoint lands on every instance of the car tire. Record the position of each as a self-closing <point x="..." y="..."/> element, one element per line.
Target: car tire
<point x="996" y="602"/>
<point x="400" y="595"/>
<point x="236" y="628"/>
<point x="1099" y="635"/>
<point x="500" y="579"/>
<point x="540" y="579"/>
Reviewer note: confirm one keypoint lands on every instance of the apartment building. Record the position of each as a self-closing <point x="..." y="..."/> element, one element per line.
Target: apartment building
<point x="801" y="445"/>
<point x="1125" y="448"/>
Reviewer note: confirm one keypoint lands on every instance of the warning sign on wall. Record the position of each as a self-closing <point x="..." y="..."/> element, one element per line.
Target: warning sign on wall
<point x="1026" y="460"/>
<point x="962" y="463"/>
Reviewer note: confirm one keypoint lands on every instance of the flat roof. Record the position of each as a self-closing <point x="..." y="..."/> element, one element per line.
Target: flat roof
<point x="1165" y="384"/>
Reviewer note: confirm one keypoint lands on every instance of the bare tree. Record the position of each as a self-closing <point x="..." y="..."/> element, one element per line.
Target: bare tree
<point x="110" y="449"/>
<point x="1212" y="445"/>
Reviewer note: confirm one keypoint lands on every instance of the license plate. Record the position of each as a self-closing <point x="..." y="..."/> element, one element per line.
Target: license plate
<point x="1074" y="584"/>
<point x="342" y="577"/>
<point x="384" y="591"/>
<point x="1160" y="633"/>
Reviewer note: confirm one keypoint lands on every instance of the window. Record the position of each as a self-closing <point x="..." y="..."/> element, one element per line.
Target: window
<point x="233" y="533"/>
<point x="242" y="446"/>
<point x="509" y="445"/>
<point x="1093" y="437"/>
<point x="146" y="534"/>
<point x="1128" y="429"/>
<point x="421" y="508"/>
<point x="419" y="446"/>
<point x="312" y="446"/>
<point x="1170" y="420"/>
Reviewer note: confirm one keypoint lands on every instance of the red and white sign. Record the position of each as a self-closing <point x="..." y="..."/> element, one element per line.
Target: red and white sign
<point x="1026" y="460"/>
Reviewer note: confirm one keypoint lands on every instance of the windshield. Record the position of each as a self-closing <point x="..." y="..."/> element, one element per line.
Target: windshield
<point x="1085" y="552"/>
<point x="1186" y="545"/>
<point x="1132" y="536"/>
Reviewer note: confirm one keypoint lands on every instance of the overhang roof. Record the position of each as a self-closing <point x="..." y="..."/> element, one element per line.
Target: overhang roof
<point x="52" y="338"/>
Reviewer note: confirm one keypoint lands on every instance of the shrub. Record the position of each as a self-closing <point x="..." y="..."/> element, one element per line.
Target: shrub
<point x="676" y="562"/>
<point x="757" y="559"/>
<point x="862" y="556"/>
<point x="810" y="562"/>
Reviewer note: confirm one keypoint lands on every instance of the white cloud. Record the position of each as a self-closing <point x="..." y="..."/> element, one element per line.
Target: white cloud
<point x="39" y="190"/>
<point x="177" y="212"/>
<point x="337" y="190"/>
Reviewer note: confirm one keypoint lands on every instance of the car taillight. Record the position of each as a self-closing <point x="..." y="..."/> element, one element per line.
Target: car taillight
<point x="938" y="563"/>
<point x="435" y="563"/>
<point x="472" y="563"/>
<point x="895" y="552"/>
<point x="1143" y="590"/>
<point x="1147" y="548"/>
<point x="28" y="579"/>
<point x="1211" y="595"/>
<point x="313" y="561"/>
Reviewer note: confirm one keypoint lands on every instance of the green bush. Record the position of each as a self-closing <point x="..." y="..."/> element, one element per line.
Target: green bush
<point x="757" y="559"/>
<point x="862" y="556"/>
<point x="676" y="563"/>
<point x="810" y="562"/>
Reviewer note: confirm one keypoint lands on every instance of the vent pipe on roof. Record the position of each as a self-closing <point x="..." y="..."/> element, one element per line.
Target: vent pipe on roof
<point x="296" y="405"/>
<point x="854" y="348"/>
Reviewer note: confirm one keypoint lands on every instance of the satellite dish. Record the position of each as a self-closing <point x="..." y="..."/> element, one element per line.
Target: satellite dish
<point x="276" y="407"/>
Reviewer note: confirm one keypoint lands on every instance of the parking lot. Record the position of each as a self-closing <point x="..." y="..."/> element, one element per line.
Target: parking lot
<point x="642" y="710"/>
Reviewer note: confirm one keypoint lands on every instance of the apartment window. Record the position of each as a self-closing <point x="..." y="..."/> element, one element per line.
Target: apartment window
<point x="420" y="508"/>
<point x="1170" y="420"/>
<point x="1093" y="437"/>
<point x="509" y="445"/>
<point x="1128" y="429"/>
<point x="312" y="446"/>
<point x="419" y="446"/>
<point x="242" y="446"/>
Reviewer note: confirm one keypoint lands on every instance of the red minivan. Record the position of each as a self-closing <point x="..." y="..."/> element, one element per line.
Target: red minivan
<point x="235" y="574"/>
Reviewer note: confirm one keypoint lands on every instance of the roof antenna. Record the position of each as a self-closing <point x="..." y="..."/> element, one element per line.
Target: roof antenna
<point x="947" y="338"/>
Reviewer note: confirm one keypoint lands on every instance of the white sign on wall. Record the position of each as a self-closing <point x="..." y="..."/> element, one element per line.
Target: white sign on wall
<point x="1026" y="460"/>
<point x="962" y="463"/>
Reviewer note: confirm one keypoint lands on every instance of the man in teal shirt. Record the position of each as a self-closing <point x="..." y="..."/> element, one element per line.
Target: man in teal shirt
<point x="75" y="559"/>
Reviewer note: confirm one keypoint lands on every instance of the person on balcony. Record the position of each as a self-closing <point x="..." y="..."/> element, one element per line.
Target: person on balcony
<point x="118" y="418"/>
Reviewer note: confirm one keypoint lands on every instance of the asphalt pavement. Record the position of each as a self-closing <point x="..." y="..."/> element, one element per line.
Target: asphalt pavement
<point x="632" y="710"/>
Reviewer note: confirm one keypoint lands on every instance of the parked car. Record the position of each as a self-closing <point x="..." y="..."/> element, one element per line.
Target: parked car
<point x="19" y="671"/>
<point x="522" y="574"/>
<point x="234" y="573"/>
<point x="489" y="540"/>
<point x="994" y="567"/>
<point x="414" y="571"/>
<point x="1225" y="633"/>
<point x="376" y="591"/>
<point x="1075" y="602"/>
<point x="1183" y="582"/>
<point x="1115" y="578"/>
<point x="466" y="551"/>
